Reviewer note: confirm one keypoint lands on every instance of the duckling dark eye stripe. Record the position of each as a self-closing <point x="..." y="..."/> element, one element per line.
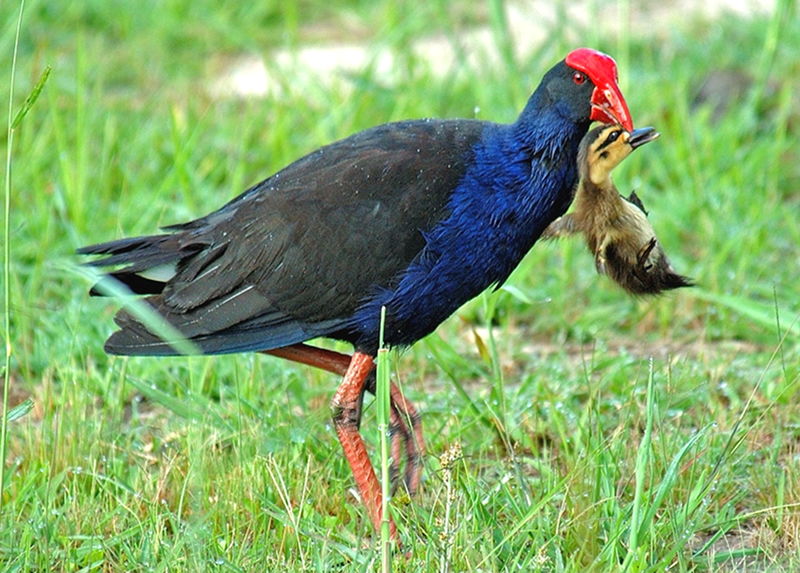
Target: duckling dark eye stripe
<point x="606" y="142"/>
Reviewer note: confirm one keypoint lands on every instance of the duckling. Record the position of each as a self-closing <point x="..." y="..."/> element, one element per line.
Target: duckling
<point x="616" y="228"/>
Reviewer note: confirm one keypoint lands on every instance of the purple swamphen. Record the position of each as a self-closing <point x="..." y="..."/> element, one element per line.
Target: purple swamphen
<point x="416" y="216"/>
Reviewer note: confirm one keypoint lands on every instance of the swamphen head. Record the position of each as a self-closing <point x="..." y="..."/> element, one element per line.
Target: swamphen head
<point x="606" y="103"/>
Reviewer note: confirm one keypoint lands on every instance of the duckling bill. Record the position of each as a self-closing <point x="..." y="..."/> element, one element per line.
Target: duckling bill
<point x="616" y="228"/>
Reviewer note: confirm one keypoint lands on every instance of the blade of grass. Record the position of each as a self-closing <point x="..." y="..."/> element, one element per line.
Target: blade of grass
<point x="643" y="459"/>
<point x="31" y="99"/>
<point x="761" y="314"/>
<point x="383" y="407"/>
<point x="19" y="410"/>
<point x="143" y="312"/>
<point x="498" y="385"/>
<point x="531" y="514"/>
<point x="7" y="262"/>
<point x="502" y="34"/>
<point x="196" y="407"/>
<point x="623" y="53"/>
<point x="292" y="512"/>
<point x="444" y="364"/>
<point x="781" y="15"/>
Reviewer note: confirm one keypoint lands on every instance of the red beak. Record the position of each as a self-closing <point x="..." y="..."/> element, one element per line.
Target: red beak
<point x="608" y="104"/>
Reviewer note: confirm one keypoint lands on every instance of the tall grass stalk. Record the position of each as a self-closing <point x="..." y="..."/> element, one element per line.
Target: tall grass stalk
<point x="7" y="262"/>
<point x="382" y="398"/>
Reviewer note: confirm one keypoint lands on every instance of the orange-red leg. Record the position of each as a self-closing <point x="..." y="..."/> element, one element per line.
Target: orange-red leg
<point x="328" y="360"/>
<point x="404" y="412"/>
<point x="397" y="434"/>
<point x="405" y="422"/>
<point x="346" y="406"/>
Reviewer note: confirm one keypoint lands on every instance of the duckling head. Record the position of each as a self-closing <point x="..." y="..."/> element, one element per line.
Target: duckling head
<point x="604" y="147"/>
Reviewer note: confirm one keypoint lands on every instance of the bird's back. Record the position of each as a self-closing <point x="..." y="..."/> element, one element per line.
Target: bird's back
<point x="294" y="256"/>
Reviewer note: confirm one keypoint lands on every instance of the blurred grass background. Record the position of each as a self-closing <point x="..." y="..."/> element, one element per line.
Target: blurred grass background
<point x="230" y="463"/>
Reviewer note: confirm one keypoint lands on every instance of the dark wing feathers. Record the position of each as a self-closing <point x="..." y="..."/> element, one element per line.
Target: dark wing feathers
<point x="134" y="339"/>
<point x="136" y="284"/>
<point x="294" y="256"/>
<point x="138" y="253"/>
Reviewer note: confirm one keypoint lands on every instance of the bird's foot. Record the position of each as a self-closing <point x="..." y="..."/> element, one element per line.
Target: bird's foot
<point x="406" y="431"/>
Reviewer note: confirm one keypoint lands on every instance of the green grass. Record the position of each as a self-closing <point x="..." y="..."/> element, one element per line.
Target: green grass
<point x="597" y="432"/>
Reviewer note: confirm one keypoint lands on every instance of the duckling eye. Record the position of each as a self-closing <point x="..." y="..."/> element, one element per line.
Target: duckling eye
<point x="578" y="78"/>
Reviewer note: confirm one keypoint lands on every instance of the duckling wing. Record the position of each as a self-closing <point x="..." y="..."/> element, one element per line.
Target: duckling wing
<point x="564" y="226"/>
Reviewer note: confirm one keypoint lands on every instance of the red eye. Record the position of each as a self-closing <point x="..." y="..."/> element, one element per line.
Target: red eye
<point x="578" y="78"/>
